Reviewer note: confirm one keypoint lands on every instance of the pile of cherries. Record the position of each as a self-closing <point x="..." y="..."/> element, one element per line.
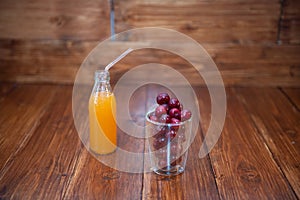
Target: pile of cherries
<point x="170" y="112"/>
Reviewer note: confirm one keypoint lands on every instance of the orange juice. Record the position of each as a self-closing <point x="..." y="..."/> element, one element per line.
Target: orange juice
<point x="103" y="128"/>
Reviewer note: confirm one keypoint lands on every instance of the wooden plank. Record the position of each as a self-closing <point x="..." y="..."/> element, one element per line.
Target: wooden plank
<point x="54" y="19"/>
<point x="58" y="61"/>
<point x="205" y="21"/>
<point x="25" y="103"/>
<point x="93" y="180"/>
<point x="44" y="164"/>
<point x="105" y="182"/>
<point x="243" y="165"/>
<point x="42" y="61"/>
<point x="5" y="89"/>
<point x="290" y="22"/>
<point x="197" y="182"/>
<point x="277" y="121"/>
<point x="293" y="94"/>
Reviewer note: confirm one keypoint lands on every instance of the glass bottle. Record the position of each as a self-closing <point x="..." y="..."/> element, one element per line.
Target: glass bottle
<point x="102" y="113"/>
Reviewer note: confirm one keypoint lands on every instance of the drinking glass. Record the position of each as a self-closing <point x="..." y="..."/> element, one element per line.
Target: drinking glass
<point x="168" y="145"/>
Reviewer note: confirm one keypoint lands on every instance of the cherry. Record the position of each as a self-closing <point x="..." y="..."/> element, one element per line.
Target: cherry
<point x="165" y="118"/>
<point x="174" y="103"/>
<point x="175" y="121"/>
<point x="175" y="113"/>
<point x="160" y="110"/>
<point x="171" y="134"/>
<point x="162" y="98"/>
<point x="186" y="114"/>
<point x="159" y="142"/>
<point x="154" y="118"/>
<point x="160" y="134"/>
<point x="166" y="107"/>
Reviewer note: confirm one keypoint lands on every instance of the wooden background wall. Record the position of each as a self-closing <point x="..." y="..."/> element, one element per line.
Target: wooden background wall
<point x="253" y="42"/>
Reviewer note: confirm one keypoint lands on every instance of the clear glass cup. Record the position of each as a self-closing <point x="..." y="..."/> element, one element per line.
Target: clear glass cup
<point x="168" y="145"/>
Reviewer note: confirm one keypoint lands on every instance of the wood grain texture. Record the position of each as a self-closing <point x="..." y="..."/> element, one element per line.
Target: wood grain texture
<point x="54" y="19"/>
<point x="256" y="157"/>
<point x="205" y="21"/>
<point x="21" y="114"/>
<point x="293" y="94"/>
<point x="58" y="61"/>
<point x="94" y="180"/>
<point x="42" y="61"/>
<point x="290" y="22"/>
<point x="277" y="121"/>
<point x="197" y="182"/>
<point x="46" y="161"/>
<point x="244" y="168"/>
<point x="5" y="89"/>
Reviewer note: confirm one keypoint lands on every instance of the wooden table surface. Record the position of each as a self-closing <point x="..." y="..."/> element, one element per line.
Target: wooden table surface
<point x="256" y="157"/>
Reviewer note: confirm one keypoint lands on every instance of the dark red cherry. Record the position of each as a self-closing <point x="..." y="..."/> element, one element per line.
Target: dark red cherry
<point x="159" y="134"/>
<point x="159" y="142"/>
<point x="174" y="103"/>
<point x="160" y="110"/>
<point x="175" y="121"/>
<point x="166" y="107"/>
<point x="186" y="115"/>
<point x="165" y="118"/>
<point x="175" y="113"/>
<point x="162" y="98"/>
<point x="171" y="134"/>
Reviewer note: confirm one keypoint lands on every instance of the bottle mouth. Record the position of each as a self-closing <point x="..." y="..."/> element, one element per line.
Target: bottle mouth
<point x="102" y="75"/>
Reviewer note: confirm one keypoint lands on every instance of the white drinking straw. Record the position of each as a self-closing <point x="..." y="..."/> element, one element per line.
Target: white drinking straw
<point x="118" y="59"/>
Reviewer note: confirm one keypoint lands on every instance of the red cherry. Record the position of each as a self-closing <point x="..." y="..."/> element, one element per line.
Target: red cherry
<point x="186" y="115"/>
<point x="159" y="142"/>
<point x="174" y="103"/>
<point x="159" y="134"/>
<point x="153" y="118"/>
<point x="171" y="134"/>
<point x="175" y="121"/>
<point x="166" y="107"/>
<point x="162" y="98"/>
<point x="151" y="114"/>
<point x="160" y="110"/>
<point x="175" y="113"/>
<point x="165" y="119"/>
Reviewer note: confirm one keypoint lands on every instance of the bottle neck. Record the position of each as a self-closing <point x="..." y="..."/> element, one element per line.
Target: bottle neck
<point x="102" y="81"/>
